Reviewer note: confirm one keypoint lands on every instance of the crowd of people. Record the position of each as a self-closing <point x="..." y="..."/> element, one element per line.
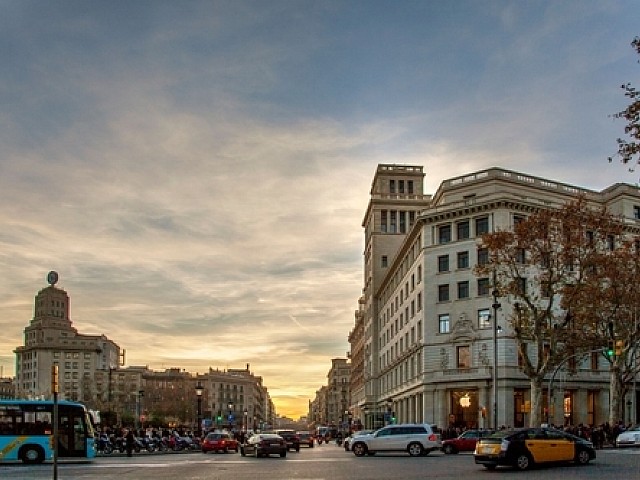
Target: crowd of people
<point x="601" y="435"/>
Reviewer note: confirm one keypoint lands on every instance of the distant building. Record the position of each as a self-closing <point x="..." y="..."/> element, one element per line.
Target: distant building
<point x="7" y="388"/>
<point x="49" y="339"/>
<point x="338" y="392"/>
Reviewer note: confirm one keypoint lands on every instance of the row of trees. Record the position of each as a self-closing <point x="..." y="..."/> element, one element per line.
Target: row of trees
<point x="571" y="276"/>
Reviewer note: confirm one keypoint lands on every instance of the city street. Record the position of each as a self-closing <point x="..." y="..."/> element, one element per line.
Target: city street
<point x="325" y="462"/>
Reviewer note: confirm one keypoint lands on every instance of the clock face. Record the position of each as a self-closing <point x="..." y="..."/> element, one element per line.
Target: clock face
<point x="52" y="278"/>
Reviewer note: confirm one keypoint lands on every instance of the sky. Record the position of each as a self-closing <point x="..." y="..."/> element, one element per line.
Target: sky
<point x="197" y="172"/>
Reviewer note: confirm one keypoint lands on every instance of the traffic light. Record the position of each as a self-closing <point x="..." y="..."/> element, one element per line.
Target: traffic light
<point x="611" y="349"/>
<point x="393" y="418"/>
<point x="619" y="348"/>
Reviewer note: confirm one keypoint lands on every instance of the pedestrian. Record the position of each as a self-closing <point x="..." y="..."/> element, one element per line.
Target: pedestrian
<point x="129" y="441"/>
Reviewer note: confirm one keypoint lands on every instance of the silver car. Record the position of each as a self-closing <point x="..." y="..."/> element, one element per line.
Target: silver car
<point x="629" y="438"/>
<point x="415" y="439"/>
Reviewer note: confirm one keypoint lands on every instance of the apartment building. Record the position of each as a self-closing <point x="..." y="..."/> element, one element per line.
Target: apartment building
<point x="428" y="326"/>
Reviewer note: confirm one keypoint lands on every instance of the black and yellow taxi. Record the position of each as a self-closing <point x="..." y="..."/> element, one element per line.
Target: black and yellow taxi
<point x="526" y="447"/>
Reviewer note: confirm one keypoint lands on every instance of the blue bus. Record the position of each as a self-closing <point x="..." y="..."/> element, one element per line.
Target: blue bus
<point x="26" y="431"/>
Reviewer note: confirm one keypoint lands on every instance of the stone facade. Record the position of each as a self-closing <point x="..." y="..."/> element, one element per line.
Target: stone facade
<point x="428" y="331"/>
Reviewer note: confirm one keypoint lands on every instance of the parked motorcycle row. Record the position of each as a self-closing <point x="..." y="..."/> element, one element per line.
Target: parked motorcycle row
<point x="108" y="444"/>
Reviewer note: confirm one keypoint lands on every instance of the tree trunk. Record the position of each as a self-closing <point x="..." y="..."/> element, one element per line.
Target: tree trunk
<point x="536" y="401"/>
<point x="614" y="394"/>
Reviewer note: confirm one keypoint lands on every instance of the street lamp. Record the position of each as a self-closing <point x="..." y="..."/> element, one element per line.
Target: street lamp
<point x="246" y="421"/>
<point x="139" y="407"/>
<point x="494" y="374"/>
<point x="199" y="390"/>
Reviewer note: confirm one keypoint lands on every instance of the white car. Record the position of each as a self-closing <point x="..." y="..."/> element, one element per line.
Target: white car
<point x="629" y="438"/>
<point x="349" y="440"/>
<point x="415" y="439"/>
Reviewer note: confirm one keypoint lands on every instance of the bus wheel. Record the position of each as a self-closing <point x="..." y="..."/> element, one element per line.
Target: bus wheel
<point x="32" y="454"/>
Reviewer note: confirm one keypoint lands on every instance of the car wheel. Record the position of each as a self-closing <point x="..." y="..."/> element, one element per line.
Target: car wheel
<point x="583" y="457"/>
<point x="298" y="449"/>
<point x="523" y="462"/>
<point x="448" y="449"/>
<point x="359" y="449"/>
<point x="415" y="449"/>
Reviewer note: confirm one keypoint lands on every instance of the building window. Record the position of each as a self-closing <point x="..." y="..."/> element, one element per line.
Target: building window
<point x="444" y="234"/>
<point x="595" y="356"/>
<point x="482" y="226"/>
<point x="463" y="290"/>
<point x="484" y="318"/>
<point x="392" y="186"/>
<point x="443" y="323"/>
<point x="419" y="274"/>
<point x="463" y="260"/>
<point x="400" y="186"/>
<point x="483" y="256"/>
<point x="517" y="219"/>
<point x="483" y="286"/>
<point x="443" y="293"/>
<point x="463" y="230"/>
<point x="419" y="301"/>
<point x="384" y="261"/>
<point x="464" y="356"/>
<point x="520" y="256"/>
<point x="636" y="212"/>
<point x="443" y="263"/>
<point x="410" y="187"/>
<point x="403" y="222"/>
<point x="393" y="224"/>
<point x="383" y="221"/>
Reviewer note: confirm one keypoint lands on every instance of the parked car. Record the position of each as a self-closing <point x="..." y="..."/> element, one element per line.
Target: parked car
<point x="291" y="437"/>
<point x="465" y="442"/>
<point x="349" y="440"/>
<point x="415" y="439"/>
<point x="219" y="442"/>
<point x="629" y="438"/>
<point x="527" y="447"/>
<point x="264" y="444"/>
<point x="306" y="439"/>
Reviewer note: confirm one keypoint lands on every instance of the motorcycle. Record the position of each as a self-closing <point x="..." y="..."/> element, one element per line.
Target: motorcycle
<point x="104" y="445"/>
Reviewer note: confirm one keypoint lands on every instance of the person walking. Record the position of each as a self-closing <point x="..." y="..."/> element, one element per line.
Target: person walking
<point x="129" y="442"/>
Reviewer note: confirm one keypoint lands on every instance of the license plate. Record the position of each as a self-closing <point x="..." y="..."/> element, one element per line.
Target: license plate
<point x="487" y="449"/>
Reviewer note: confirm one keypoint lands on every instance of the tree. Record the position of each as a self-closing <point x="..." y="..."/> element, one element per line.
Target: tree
<point x="611" y="297"/>
<point x="627" y="150"/>
<point x="540" y="268"/>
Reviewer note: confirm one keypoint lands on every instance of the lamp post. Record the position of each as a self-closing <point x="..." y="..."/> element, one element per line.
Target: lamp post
<point x="139" y="408"/>
<point x="494" y="332"/>
<point x="199" y="390"/>
<point x="246" y="420"/>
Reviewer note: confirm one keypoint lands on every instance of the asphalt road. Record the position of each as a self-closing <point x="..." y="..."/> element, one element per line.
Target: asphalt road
<point x="327" y="462"/>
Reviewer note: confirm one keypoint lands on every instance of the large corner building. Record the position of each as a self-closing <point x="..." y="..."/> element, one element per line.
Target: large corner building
<point x="422" y="347"/>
